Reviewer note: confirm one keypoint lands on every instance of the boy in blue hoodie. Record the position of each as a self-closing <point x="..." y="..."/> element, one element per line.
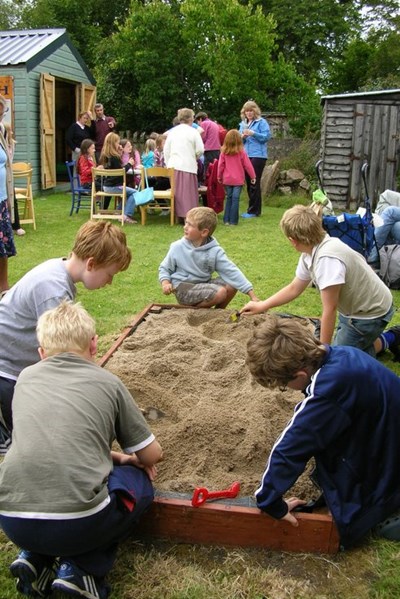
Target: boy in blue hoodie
<point x="191" y="261"/>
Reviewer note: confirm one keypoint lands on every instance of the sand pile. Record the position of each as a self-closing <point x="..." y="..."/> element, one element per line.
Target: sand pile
<point x="218" y="424"/>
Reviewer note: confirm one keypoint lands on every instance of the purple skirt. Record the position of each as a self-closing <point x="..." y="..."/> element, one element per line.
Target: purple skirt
<point x="7" y="246"/>
<point x="186" y="193"/>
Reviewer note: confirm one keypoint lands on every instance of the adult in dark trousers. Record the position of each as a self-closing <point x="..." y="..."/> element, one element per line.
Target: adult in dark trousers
<point x="211" y="140"/>
<point x="82" y="129"/>
<point x="255" y="133"/>
<point x="103" y="126"/>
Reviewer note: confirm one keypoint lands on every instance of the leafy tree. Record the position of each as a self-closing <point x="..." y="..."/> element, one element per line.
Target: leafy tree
<point x="141" y="70"/>
<point x="368" y="63"/>
<point x="88" y="22"/>
<point x="198" y="53"/>
<point x="311" y="32"/>
<point x="349" y="73"/>
<point x="10" y="12"/>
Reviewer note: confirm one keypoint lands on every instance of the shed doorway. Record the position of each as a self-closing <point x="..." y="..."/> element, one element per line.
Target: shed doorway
<point x="60" y="104"/>
<point x="65" y="111"/>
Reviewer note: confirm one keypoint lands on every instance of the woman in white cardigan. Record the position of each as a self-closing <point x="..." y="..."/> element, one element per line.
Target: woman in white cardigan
<point x="183" y="147"/>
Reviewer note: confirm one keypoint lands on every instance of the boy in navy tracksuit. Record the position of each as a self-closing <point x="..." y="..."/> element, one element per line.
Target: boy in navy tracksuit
<point x="349" y="421"/>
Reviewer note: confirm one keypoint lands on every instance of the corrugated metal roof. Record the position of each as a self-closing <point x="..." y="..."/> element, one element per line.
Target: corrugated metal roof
<point x="360" y="94"/>
<point x="18" y="47"/>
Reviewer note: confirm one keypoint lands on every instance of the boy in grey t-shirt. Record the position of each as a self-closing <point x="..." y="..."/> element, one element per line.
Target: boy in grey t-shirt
<point x="100" y="251"/>
<point x="74" y="498"/>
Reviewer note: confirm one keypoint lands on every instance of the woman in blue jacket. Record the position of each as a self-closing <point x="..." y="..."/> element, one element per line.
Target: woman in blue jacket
<point x="255" y="133"/>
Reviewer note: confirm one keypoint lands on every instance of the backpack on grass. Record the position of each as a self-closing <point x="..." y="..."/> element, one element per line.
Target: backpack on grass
<point x="389" y="272"/>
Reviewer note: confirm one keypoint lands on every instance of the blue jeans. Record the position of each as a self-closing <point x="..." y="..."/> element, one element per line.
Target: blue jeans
<point x="130" y="198"/>
<point x="388" y="232"/>
<point x="231" y="214"/>
<point x="89" y="542"/>
<point x="361" y="332"/>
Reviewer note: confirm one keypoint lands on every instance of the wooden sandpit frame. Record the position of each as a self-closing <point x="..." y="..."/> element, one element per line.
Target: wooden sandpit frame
<point x="227" y="524"/>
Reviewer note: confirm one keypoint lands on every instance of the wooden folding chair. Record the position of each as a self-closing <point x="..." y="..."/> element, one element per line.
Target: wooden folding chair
<point x="22" y="172"/>
<point x="165" y="196"/>
<point x="97" y="210"/>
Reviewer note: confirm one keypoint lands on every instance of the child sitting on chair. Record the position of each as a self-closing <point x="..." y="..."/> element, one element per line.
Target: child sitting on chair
<point x="110" y="158"/>
<point x="86" y="162"/>
<point x="190" y="263"/>
<point x="128" y="152"/>
<point x="148" y="156"/>
<point x="77" y="499"/>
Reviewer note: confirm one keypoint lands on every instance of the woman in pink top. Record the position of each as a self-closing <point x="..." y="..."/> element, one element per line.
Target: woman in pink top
<point x="233" y="163"/>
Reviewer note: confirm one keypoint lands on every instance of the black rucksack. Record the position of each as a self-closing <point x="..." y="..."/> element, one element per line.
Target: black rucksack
<point x="389" y="271"/>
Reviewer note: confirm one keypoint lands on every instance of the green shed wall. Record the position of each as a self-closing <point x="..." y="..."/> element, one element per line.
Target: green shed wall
<point x="61" y="64"/>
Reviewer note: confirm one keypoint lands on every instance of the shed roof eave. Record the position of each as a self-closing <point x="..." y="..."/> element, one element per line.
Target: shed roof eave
<point x="54" y="39"/>
<point x="360" y="94"/>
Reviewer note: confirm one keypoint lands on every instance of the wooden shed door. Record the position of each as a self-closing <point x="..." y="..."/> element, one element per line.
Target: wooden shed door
<point x="375" y="139"/>
<point x="85" y="98"/>
<point x="47" y="131"/>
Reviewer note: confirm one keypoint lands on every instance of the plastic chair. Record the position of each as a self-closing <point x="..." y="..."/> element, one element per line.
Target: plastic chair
<point x="23" y="194"/>
<point x="167" y="196"/>
<point x="80" y="195"/>
<point x="97" y="200"/>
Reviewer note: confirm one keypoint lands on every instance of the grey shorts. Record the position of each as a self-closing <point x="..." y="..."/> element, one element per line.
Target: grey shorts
<point x="192" y="294"/>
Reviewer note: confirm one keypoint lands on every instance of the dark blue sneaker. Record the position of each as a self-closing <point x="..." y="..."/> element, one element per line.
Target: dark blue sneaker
<point x="72" y="580"/>
<point x="395" y="345"/>
<point x="34" y="572"/>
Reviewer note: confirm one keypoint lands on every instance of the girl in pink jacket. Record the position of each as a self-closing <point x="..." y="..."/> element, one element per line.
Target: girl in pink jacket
<point x="232" y="165"/>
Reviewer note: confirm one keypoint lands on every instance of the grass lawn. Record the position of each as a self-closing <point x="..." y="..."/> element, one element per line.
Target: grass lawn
<point x="166" y="571"/>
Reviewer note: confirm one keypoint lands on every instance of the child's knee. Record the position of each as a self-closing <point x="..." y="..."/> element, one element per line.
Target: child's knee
<point x="221" y="295"/>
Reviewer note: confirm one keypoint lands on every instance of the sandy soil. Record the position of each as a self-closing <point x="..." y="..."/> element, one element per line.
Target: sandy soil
<point x="218" y="424"/>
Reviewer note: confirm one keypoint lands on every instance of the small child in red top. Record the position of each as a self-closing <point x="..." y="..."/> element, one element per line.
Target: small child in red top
<point x="86" y="162"/>
<point x="232" y="165"/>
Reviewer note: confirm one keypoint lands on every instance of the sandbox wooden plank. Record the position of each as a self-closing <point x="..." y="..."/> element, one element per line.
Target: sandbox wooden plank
<point x="231" y="525"/>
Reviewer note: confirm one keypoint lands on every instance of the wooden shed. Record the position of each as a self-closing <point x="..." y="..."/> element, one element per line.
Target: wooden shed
<point x="47" y="84"/>
<point x="356" y="128"/>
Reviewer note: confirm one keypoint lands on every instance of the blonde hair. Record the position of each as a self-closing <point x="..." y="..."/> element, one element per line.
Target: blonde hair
<point x="233" y="143"/>
<point x="281" y="347"/>
<point x="110" y="148"/>
<point x="66" y="328"/>
<point x="185" y="115"/>
<point x="150" y="145"/>
<point x="104" y="242"/>
<point x="250" y="105"/>
<point x="203" y="218"/>
<point x="302" y="224"/>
